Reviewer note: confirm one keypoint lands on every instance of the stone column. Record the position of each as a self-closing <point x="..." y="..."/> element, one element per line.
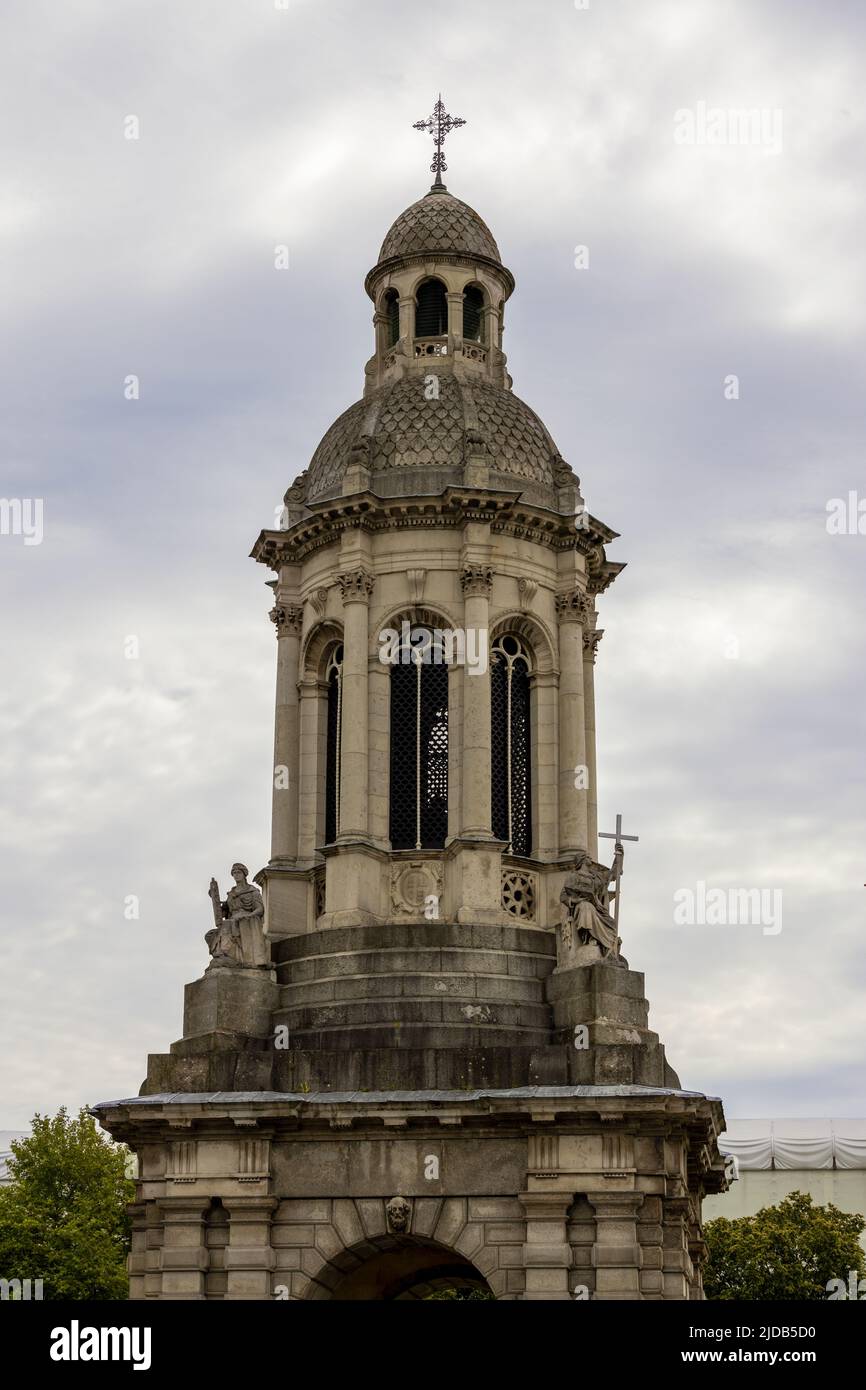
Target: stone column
<point x="312" y="711"/>
<point x="406" y="305"/>
<point x="545" y="769"/>
<point x="284" y="818"/>
<point x="455" y="316"/>
<point x="591" y="639"/>
<point x="676" y="1265"/>
<point x="184" y="1256"/>
<point x="356" y="587"/>
<point x="616" y="1254"/>
<point x="249" y="1256"/>
<point x="571" y="608"/>
<point x="546" y="1253"/>
<point x="477" y="581"/>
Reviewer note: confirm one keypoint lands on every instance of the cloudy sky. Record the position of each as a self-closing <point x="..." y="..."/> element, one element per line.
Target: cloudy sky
<point x="730" y="680"/>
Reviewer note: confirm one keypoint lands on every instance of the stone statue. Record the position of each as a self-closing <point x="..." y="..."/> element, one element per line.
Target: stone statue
<point x="399" y="1211"/>
<point x="236" y="940"/>
<point x="588" y="932"/>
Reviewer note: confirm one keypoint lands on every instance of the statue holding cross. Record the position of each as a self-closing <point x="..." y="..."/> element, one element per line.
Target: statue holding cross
<point x="591" y="897"/>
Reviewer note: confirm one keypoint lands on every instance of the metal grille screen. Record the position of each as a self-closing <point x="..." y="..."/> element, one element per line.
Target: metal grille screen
<point x="332" y="759"/>
<point x="419" y="756"/>
<point x="473" y="303"/>
<point x="431" y="313"/>
<point x="511" y="797"/>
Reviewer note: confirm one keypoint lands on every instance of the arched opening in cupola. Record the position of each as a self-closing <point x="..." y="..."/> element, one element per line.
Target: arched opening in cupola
<point x="391" y="310"/>
<point x="473" y="313"/>
<point x="431" y="310"/>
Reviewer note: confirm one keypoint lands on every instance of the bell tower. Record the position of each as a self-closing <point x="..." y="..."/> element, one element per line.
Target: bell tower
<point x="444" y="1070"/>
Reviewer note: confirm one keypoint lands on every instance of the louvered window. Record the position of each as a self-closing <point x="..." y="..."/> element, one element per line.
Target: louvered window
<point x="334" y="677"/>
<point x="431" y="310"/>
<point x="419" y="750"/>
<point x="511" y="770"/>
<point x="392" y="309"/>
<point x="473" y="317"/>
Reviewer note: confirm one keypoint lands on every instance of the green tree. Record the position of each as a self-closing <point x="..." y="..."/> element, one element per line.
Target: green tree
<point x="790" y="1251"/>
<point x="63" y="1216"/>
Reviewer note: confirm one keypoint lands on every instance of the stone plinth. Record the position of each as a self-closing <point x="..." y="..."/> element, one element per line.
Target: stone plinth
<point x="228" y="1008"/>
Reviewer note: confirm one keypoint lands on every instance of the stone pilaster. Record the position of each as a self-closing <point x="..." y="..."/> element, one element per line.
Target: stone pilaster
<point x="476" y="581"/>
<point x="288" y="619"/>
<point x="356" y="587"/>
<point x="184" y="1255"/>
<point x="249" y="1256"/>
<point x="572" y="609"/>
<point x="312" y="712"/>
<point x="616" y="1254"/>
<point x="591" y="639"/>
<point x="676" y="1266"/>
<point x="546" y="1253"/>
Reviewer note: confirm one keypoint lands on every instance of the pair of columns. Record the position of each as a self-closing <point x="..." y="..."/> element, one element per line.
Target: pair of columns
<point x="185" y="1259"/>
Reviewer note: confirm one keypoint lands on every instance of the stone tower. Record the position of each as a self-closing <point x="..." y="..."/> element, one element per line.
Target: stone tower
<point x="429" y="1073"/>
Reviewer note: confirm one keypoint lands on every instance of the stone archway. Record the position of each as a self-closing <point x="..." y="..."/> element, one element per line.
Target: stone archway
<point x="401" y="1267"/>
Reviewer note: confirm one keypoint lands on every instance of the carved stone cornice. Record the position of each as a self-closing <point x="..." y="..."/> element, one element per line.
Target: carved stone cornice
<point x="591" y="640"/>
<point x="356" y="586"/>
<point x="287" y="619"/>
<point x="325" y="522"/>
<point x="476" y="579"/>
<point x="573" y="606"/>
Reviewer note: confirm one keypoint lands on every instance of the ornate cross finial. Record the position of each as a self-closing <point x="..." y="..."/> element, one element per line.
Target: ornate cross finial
<point x="439" y="124"/>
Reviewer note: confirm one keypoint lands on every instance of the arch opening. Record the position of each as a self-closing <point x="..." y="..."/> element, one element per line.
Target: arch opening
<point x="404" y="1268"/>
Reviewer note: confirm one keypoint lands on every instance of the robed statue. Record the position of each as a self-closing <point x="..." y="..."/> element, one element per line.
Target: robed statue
<point x="237" y="940"/>
<point x="589" y="931"/>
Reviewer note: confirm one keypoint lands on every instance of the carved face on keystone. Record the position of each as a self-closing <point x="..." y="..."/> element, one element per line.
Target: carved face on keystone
<point x="399" y="1212"/>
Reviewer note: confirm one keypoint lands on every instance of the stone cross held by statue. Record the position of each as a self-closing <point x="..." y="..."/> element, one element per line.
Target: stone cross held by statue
<point x="617" y="837"/>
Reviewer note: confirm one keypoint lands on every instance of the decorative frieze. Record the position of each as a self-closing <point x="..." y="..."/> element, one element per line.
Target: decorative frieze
<point x="416" y="889"/>
<point x="518" y="894"/>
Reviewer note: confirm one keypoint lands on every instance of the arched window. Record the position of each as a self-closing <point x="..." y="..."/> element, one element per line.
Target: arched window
<point x="391" y="307"/>
<point x="334" y="679"/>
<point x="511" y="789"/>
<point x="473" y="314"/>
<point x="419" y="744"/>
<point x="431" y="310"/>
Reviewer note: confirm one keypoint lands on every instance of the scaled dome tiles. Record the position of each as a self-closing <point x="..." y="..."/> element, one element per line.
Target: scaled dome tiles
<point x="439" y="222"/>
<point x="408" y="431"/>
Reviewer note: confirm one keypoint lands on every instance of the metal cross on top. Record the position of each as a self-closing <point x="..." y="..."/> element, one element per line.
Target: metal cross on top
<point x="439" y="124"/>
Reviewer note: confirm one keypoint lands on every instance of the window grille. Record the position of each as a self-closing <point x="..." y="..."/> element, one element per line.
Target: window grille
<point x="473" y="316"/>
<point x="419" y="748"/>
<point x="510" y="728"/>
<point x="431" y="310"/>
<point x="334" y="678"/>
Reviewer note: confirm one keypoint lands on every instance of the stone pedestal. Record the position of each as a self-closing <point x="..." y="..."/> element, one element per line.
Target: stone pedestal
<point x="226" y="1009"/>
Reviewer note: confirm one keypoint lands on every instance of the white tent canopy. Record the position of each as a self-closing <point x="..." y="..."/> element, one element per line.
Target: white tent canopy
<point x="796" y="1143"/>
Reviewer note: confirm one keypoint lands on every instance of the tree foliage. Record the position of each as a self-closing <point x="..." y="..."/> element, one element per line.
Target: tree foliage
<point x="786" y="1252"/>
<point x="63" y="1216"/>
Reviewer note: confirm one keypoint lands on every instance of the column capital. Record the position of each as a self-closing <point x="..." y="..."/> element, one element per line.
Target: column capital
<point x="616" y="1206"/>
<point x="573" y="606"/>
<point x="591" y="639"/>
<point x="288" y="619"/>
<point x="476" y="579"/>
<point x="356" y="586"/>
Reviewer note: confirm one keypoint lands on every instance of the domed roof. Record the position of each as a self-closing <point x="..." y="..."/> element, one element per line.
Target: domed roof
<point x="439" y="222"/>
<point x="414" y="445"/>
